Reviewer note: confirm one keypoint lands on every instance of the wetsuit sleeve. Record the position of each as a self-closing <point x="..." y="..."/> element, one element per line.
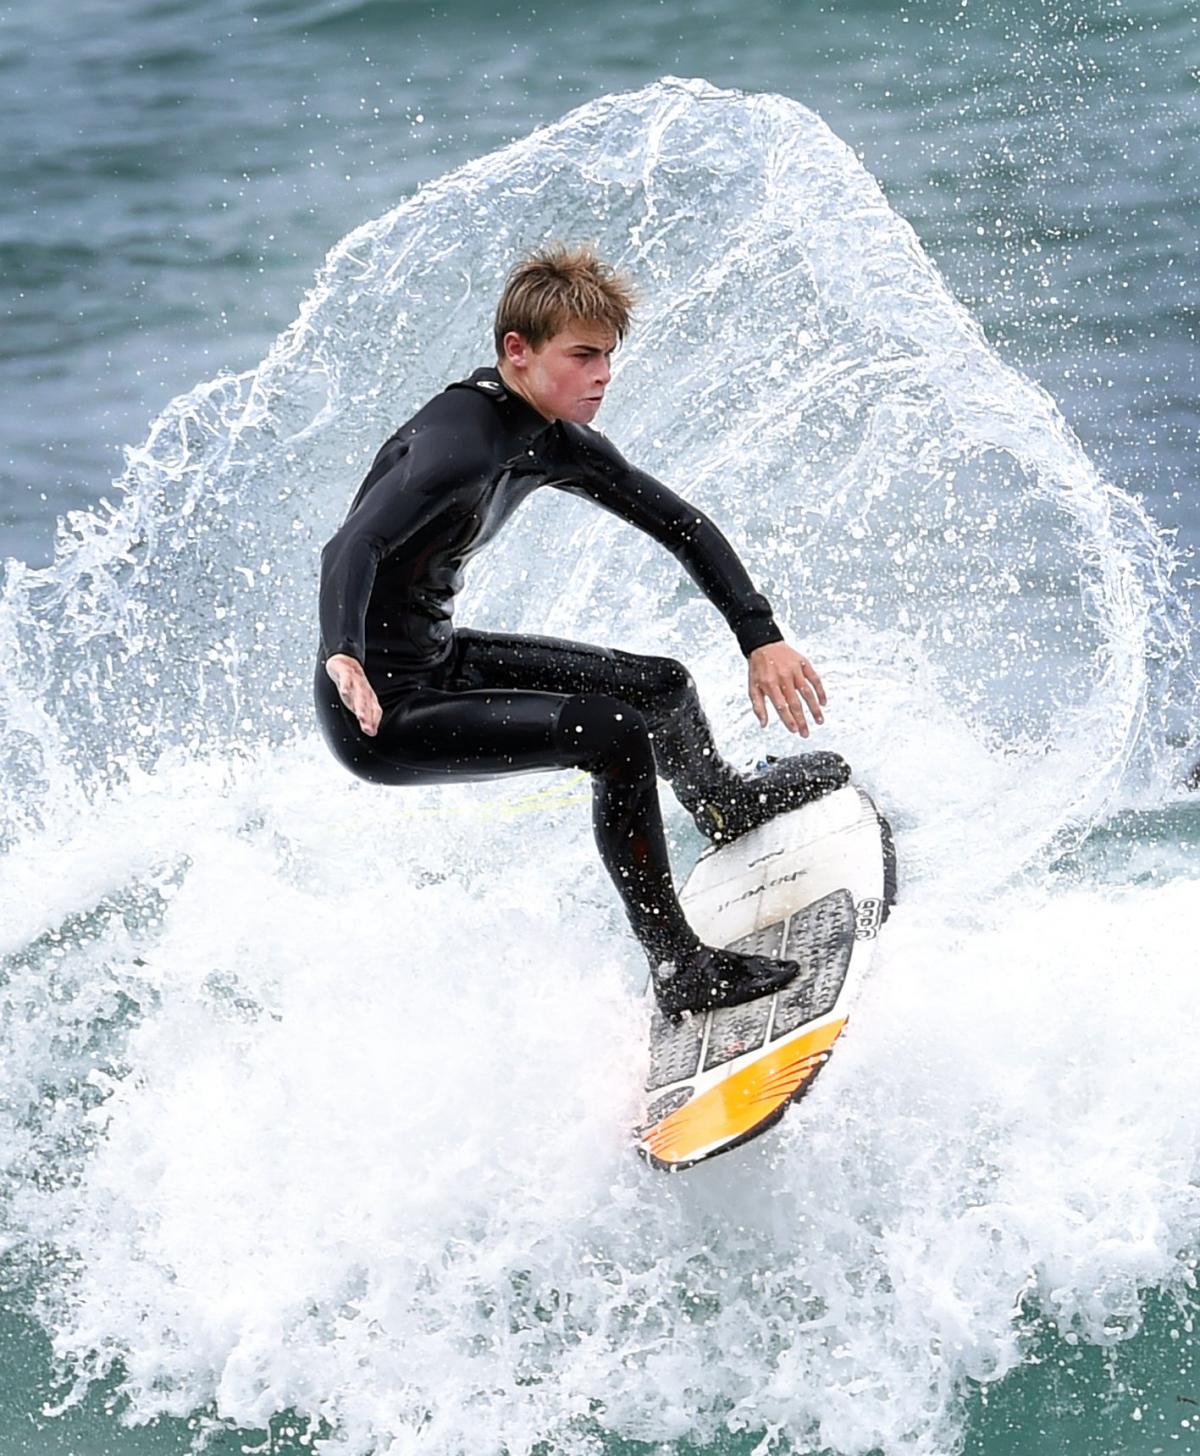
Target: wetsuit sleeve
<point x="410" y="481"/>
<point x="692" y="538"/>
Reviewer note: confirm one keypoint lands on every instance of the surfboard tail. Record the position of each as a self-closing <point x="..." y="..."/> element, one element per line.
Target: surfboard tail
<point x="752" y="1093"/>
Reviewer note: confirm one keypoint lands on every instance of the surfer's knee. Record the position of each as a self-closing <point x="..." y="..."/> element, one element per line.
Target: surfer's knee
<point x="672" y="681"/>
<point x="662" y="687"/>
<point x="367" y="768"/>
<point x="652" y="682"/>
<point x="355" y="754"/>
<point x="607" y="736"/>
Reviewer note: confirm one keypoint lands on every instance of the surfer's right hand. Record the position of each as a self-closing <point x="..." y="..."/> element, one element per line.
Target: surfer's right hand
<point x="355" y="691"/>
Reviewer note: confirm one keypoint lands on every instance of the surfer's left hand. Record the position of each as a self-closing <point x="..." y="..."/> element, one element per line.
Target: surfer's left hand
<point x="786" y="677"/>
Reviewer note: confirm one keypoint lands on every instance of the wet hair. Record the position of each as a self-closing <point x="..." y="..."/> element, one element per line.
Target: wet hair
<point x="557" y="285"/>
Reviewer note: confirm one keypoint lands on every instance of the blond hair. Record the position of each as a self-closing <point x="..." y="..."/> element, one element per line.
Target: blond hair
<point x="556" y="285"/>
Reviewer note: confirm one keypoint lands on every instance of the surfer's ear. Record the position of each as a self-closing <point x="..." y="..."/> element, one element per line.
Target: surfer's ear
<point x="517" y="348"/>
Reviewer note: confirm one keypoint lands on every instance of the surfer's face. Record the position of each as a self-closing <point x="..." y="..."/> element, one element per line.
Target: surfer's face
<point x="565" y="378"/>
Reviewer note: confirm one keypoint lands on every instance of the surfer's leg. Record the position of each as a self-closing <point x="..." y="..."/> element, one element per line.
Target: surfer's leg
<point x="433" y="736"/>
<point x="613" y="742"/>
<point x="723" y="802"/>
<point x="428" y="735"/>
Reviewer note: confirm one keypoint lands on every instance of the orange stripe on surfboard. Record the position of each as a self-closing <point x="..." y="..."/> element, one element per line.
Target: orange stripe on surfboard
<point x="738" y="1103"/>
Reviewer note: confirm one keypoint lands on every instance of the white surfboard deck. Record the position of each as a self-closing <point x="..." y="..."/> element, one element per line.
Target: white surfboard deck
<point x="814" y="886"/>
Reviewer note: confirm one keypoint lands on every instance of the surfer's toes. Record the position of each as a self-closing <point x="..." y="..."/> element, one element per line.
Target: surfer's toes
<point x="820" y="770"/>
<point x="782" y="784"/>
<point x="708" y="978"/>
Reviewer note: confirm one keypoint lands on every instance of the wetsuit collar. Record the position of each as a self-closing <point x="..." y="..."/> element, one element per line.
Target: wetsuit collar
<point x="526" y="419"/>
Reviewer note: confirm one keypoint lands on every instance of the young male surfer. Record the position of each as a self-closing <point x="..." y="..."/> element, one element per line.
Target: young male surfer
<point x="404" y="697"/>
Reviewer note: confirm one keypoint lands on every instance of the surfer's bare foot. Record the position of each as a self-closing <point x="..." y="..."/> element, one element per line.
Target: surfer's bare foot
<point x="705" y="978"/>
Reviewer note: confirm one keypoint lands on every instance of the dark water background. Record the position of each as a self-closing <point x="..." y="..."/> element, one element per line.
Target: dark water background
<point x="173" y="179"/>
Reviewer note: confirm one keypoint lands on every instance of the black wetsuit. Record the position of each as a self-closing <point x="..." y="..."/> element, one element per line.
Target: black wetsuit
<point x="461" y="704"/>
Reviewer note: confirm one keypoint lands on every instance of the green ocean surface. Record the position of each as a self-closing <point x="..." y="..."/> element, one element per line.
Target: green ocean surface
<point x="1137" y="1397"/>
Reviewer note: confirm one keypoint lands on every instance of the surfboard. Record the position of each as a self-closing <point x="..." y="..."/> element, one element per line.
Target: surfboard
<point x="813" y="885"/>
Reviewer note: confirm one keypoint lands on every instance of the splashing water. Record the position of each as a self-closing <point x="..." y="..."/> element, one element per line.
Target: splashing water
<point x="318" y="1094"/>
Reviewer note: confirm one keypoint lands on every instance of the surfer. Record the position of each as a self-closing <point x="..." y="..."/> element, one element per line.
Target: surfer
<point x="405" y="697"/>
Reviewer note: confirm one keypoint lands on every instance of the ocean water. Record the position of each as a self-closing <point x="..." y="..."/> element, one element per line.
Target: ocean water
<point x="315" y="1097"/>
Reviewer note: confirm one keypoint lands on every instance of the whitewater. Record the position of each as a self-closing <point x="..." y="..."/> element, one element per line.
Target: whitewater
<point x="317" y="1096"/>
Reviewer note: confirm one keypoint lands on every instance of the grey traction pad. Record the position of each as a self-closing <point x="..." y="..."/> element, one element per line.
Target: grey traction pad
<point x="674" y="1049"/>
<point x="820" y="937"/>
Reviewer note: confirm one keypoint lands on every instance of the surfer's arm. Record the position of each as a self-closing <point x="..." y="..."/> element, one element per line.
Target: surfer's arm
<point x="384" y="513"/>
<point x="777" y="672"/>
<point x="408" y="484"/>
<point x="695" y="541"/>
<point x="380" y="518"/>
<point x="405" y="488"/>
